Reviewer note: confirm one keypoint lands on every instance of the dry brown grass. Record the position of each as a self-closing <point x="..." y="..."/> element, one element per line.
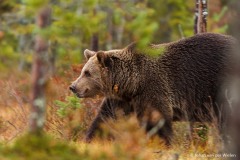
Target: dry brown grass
<point x="14" y="105"/>
<point x="129" y="137"/>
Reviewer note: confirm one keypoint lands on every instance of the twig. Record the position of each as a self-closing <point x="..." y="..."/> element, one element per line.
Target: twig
<point x="12" y="125"/>
<point x="181" y="31"/>
<point x="13" y="137"/>
<point x="154" y="130"/>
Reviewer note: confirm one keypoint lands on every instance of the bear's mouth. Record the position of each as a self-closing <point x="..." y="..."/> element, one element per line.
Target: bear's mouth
<point x="80" y="95"/>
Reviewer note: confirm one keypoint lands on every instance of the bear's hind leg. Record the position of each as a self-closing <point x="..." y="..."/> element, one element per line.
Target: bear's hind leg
<point x="166" y="132"/>
<point x="162" y="128"/>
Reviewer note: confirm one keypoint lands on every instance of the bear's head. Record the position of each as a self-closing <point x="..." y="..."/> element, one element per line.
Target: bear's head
<point x="111" y="73"/>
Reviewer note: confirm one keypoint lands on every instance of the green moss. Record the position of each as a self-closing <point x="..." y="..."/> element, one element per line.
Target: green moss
<point x="151" y="49"/>
<point x="42" y="147"/>
<point x="38" y="147"/>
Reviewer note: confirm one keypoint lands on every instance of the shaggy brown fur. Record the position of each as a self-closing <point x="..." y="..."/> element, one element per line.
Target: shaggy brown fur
<point x="183" y="83"/>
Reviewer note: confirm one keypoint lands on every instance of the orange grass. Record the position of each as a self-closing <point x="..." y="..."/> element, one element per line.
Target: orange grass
<point x="129" y="137"/>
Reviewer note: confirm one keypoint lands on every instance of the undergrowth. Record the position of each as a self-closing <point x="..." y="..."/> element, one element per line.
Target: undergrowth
<point x="35" y="147"/>
<point x="67" y="120"/>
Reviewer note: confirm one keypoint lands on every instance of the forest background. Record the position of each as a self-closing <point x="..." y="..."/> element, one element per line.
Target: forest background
<point x="75" y="25"/>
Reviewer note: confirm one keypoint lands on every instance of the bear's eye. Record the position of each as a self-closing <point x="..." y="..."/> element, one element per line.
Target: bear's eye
<point x="87" y="73"/>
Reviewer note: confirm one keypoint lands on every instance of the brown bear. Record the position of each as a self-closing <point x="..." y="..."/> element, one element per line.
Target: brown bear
<point x="185" y="82"/>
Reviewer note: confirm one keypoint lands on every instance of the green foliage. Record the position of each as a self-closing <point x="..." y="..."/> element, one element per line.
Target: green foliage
<point x="70" y="103"/>
<point x="7" y="51"/>
<point x="217" y="18"/>
<point x="5" y="6"/>
<point x="169" y="15"/>
<point x="38" y="147"/>
<point x="142" y="25"/>
<point x="44" y="147"/>
<point x="117" y="24"/>
<point x="202" y="131"/>
<point x="36" y="3"/>
<point x="157" y="50"/>
<point x="151" y="50"/>
<point x="74" y="22"/>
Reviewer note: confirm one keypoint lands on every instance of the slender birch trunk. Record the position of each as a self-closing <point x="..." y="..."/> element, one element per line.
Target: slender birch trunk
<point x="40" y="73"/>
<point x="94" y="39"/>
<point x="201" y="12"/>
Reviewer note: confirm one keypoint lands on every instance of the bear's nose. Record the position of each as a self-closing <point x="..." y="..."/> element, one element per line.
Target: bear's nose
<point x="72" y="88"/>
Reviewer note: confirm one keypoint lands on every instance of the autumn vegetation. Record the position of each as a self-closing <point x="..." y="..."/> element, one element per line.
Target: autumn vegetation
<point x="75" y="25"/>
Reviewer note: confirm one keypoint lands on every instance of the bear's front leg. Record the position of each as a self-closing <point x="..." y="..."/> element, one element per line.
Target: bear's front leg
<point x="107" y="111"/>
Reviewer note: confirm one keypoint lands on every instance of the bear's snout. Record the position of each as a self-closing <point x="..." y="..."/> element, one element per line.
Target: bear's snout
<point x="81" y="93"/>
<point x="72" y="88"/>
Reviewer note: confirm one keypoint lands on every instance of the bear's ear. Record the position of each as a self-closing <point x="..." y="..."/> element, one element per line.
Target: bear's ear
<point x="104" y="59"/>
<point x="88" y="54"/>
<point x="132" y="47"/>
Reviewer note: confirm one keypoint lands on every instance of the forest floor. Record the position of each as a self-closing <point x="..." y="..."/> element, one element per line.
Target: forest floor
<point x="66" y="123"/>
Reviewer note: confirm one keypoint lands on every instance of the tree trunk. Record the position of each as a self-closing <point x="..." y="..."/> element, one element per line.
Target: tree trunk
<point x="120" y="30"/>
<point x="196" y="18"/>
<point x="200" y="22"/>
<point x="40" y="73"/>
<point x="21" y="44"/>
<point x="110" y="28"/>
<point x="52" y="58"/>
<point x="94" y="40"/>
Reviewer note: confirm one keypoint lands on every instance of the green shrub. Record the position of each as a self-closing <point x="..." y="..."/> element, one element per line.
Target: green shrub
<point x="38" y="147"/>
<point x="70" y="103"/>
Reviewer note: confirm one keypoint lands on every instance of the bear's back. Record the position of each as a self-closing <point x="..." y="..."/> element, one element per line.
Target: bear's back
<point x="196" y="68"/>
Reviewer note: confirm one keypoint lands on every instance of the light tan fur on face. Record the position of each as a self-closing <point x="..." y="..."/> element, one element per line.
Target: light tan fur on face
<point x="92" y="66"/>
<point x="89" y="86"/>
